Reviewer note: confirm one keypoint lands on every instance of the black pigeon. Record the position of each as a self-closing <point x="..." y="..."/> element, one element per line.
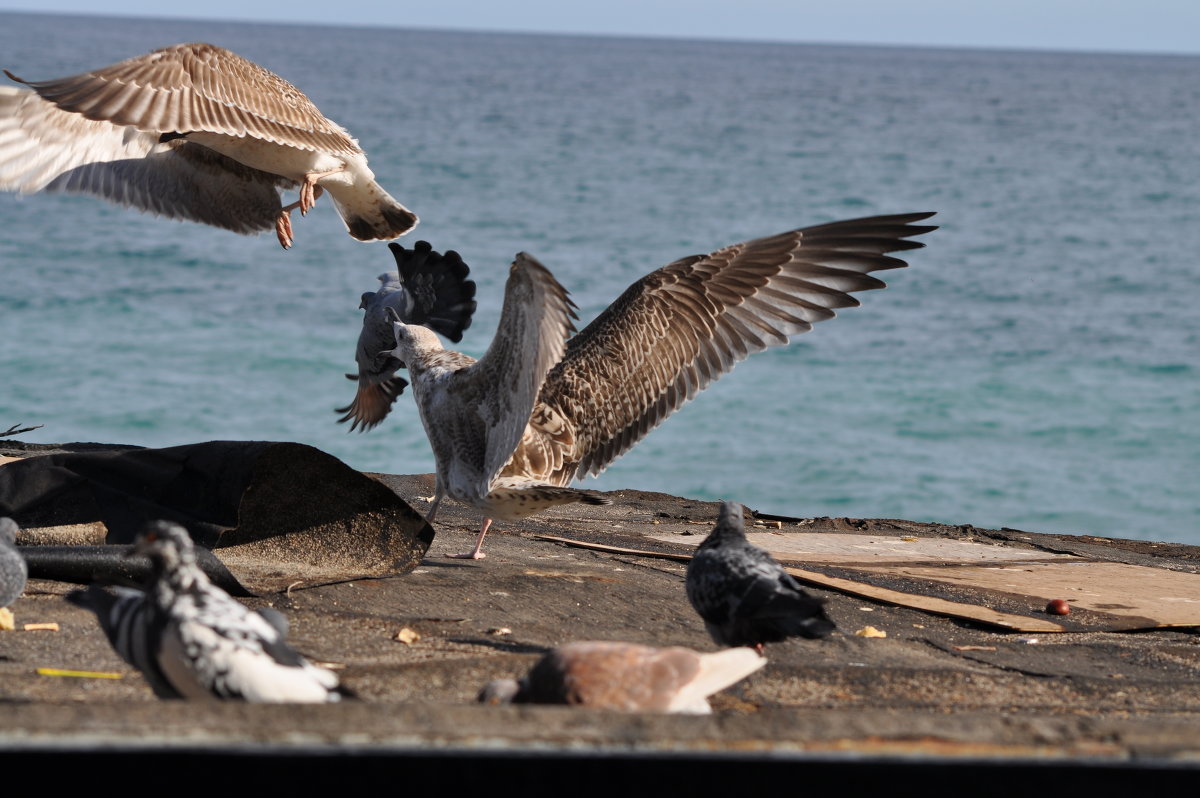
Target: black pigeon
<point x="744" y="596"/>
<point x="192" y="640"/>
<point x="427" y="288"/>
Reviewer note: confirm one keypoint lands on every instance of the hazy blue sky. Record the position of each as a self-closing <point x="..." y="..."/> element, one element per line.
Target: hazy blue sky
<point x="1171" y="26"/>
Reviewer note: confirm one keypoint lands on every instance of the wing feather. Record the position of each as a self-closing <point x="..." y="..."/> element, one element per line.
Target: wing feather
<point x="198" y="87"/>
<point x="534" y="324"/>
<point x="678" y="329"/>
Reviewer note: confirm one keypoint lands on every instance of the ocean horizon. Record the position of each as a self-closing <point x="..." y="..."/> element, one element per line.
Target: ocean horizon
<point x="1035" y="367"/>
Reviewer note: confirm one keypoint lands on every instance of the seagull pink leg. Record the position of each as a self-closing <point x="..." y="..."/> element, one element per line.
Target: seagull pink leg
<point x="283" y="228"/>
<point x="309" y="192"/>
<point x="477" y="554"/>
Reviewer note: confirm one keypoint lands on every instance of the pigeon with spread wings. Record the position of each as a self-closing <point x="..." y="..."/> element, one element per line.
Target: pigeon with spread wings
<point x="664" y="340"/>
<point x="427" y="288"/>
<point x="194" y="132"/>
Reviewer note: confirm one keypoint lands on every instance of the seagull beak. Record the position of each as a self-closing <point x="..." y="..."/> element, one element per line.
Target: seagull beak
<point x="392" y="353"/>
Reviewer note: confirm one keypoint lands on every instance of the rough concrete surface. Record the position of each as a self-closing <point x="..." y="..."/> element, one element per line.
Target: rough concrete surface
<point x="935" y="690"/>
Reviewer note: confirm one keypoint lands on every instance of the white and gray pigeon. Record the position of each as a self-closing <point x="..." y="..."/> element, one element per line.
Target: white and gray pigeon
<point x="193" y="640"/>
<point x="744" y="595"/>
<point x="427" y="288"/>
<point x="626" y="677"/>
<point x="13" y="570"/>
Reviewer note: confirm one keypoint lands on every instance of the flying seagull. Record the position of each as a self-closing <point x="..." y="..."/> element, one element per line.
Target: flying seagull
<point x="540" y="411"/>
<point x="427" y="288"/>
<point x="626" y="677"/>
<point x="744" y="596"/>
<point x="192" y="640"/>
<point x="194" y="132"/>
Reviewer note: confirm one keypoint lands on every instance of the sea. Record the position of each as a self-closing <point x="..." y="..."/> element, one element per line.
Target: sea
<point x="1036" y="367"/>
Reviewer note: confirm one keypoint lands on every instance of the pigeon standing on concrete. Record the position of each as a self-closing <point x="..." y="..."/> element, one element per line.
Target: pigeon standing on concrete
<point x="744" y="596"/>
<point x="427" y="288"/>
<point x="13" y="570"/>
<point x="626" y="677"/>
<point x="192" y="640"/>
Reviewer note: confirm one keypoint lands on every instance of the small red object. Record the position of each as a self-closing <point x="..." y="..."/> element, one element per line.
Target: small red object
<point x="1058" y="607"/>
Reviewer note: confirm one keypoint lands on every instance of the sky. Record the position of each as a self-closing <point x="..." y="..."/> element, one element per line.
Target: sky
<point x="1149" y="26"/>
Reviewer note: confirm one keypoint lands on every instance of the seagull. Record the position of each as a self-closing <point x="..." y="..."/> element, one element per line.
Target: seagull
<point x="626" y="677"/>
<point x="744" y="596"/>
<point x="13" y="570"/>
<point x="427" y="288"/>
<point x="192" y="640"/>
<point x="539" y="410"/>
<point x="192" y="131"/>
<point x="475" y="412"/>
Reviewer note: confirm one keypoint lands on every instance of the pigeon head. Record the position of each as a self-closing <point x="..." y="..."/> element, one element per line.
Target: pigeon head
<point x="499" y="691"/>
<point x="730" y="525"/>
<point x="167" y="545"/>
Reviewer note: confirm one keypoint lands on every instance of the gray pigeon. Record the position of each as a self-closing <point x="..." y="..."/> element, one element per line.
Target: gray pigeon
<point x="427" y="288"/>
<point x="626" y="677"/>
<point x="192" y="640"/>
<point x="744" y="596"/>
<point x="13" y="570"/>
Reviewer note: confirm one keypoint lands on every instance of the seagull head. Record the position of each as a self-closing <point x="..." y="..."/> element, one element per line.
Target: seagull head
<point x="414" y="342"/>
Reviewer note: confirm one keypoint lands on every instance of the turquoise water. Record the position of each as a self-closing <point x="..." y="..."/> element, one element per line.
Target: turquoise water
<point x="1036" y="367"/>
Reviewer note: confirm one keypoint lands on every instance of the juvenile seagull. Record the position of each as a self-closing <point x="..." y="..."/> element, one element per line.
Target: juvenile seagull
<point x="663" y="341"/>
<point x="195" y="132"/>
<point x="427" y="288"/>
<point x="626" y="677"/>
<point x="475" y="412"/>
<point x="744" y="596"/>
<point x="192" y="640"/>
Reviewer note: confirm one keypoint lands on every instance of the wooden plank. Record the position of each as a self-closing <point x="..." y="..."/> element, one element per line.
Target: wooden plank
<point x="1143" y="597"/>
<point x="953" y="609"/>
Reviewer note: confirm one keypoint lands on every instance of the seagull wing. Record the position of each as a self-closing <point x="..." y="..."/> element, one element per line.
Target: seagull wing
<point x="504" y="384"/>
<point x="45" y="148"/>
<point x="678" y="329"/>
<point x="198" y="87"/>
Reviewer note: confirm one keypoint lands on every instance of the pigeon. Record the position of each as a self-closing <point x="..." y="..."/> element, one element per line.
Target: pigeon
<point x="626" y="677"/>
<point x="427" y="288"/>
<point x="744" y="595"/>
<point x="191" y="640"/>
<point x="13" y="570"/>
<point x="192" y="131"/>
<point x="538" y="411"/>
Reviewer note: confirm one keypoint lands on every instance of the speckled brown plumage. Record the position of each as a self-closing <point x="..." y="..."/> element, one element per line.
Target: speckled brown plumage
<point x="678" y="329"/>
<point x="198" y="86"/>
<point x="192" y="131"/>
